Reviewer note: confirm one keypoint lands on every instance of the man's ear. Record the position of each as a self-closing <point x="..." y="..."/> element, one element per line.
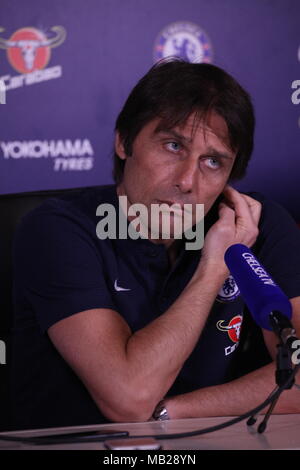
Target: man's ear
<point x="119" y="147"/>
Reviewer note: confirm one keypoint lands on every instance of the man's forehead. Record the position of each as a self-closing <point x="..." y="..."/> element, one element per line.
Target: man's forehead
<point x="211" y="123"/>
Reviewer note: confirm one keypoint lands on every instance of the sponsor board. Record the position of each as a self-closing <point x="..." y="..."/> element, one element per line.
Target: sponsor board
<point x="67" y="155"/>
<point x="28" y="52"/>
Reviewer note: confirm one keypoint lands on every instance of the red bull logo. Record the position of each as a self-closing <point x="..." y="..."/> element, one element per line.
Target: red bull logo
<point x="29" y="49"/>
<point x="233" y="328"/>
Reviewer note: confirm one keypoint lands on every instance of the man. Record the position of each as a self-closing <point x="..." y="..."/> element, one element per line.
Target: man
<point x="107" y="329"/>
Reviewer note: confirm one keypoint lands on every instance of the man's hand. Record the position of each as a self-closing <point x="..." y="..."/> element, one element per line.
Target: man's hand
<point x="238" y="223"/>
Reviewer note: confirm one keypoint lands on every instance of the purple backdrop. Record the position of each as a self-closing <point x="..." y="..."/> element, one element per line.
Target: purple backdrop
<point x="65" y="85"/>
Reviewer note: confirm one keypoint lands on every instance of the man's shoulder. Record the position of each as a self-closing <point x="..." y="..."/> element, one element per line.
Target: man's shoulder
<point x="262" y="198"/>
<point x="79" y="203"/>
<point x="272" y="211"/>
<point x="277" y="228"/>
<point x="69" y="213"/>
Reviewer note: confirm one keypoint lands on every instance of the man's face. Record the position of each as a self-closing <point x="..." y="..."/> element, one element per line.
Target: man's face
<point x="185" y="165"/>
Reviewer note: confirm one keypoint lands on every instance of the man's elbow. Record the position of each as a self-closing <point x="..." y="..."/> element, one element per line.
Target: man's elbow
<point x="127" y="408"/>
<point x="126" y="415"/>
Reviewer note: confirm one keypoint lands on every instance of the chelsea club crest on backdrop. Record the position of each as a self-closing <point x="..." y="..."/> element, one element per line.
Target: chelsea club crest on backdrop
<point x="185" y="40"/>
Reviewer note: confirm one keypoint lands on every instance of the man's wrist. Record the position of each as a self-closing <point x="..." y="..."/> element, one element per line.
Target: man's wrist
<point x="215" y="265"/>
<point x="210" y="273"/>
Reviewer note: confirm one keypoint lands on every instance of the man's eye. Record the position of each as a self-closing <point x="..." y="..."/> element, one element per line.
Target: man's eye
<point x="173" y="146"/>
<point x="213" y="163"/>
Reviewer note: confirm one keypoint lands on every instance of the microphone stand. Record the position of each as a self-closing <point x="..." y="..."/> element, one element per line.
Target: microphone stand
<point x="286" y="333"/>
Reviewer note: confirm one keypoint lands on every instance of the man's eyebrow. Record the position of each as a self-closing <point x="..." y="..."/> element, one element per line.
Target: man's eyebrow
<point x="172" y="133"/>
<point x="216" y="153"/>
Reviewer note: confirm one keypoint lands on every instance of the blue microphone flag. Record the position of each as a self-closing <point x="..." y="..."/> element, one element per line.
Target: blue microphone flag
<point x="259" y="291"/>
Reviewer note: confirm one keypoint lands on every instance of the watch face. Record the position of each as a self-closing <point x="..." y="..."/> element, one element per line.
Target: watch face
<point x="160" y="413"/>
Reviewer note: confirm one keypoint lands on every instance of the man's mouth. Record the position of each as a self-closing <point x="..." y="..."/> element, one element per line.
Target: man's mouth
<point x="170" y="203"/>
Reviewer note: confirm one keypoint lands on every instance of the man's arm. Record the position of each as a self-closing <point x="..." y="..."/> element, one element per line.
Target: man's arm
<point x="233" y="398"/>
<point x="240" y="395"/>
<point x="127" y="374"/>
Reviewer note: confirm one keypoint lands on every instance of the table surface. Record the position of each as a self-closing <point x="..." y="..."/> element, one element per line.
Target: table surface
<point x="283" y="432"/>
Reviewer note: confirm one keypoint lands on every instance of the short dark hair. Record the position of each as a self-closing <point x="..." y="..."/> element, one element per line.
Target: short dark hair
<point x="174" y="89"/>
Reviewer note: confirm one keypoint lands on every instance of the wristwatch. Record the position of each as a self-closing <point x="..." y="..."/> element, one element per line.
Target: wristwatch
<point x="160" y="412"/>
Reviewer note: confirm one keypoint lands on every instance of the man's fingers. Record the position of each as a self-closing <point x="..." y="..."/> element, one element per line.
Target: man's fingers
<point x="240" y="206"/>
<point x="247" y="209"/>
<point x="226" y="215"/>
<point x="254" y="206"/>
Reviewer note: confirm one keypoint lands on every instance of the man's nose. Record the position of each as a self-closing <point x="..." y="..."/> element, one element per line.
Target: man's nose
<point x="185" y="176"/>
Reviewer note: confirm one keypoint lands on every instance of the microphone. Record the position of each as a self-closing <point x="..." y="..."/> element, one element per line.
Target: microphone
<point x="269" y="306"/>
<point x="270" y="309"/>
